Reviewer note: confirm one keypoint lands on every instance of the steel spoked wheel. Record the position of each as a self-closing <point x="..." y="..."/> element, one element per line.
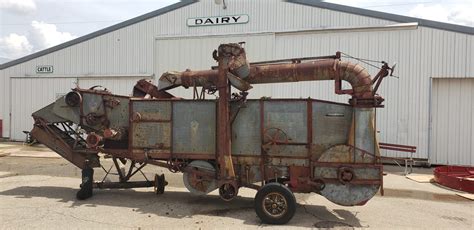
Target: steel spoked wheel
<point x="275" y="204"/>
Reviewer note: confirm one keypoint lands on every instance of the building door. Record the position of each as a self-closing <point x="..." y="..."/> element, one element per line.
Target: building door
<point x="41" y="92"/>
<point x="452" y="125"/>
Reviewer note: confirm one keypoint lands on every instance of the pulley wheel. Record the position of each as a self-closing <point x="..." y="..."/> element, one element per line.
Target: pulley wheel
<point x="198" y="184"/>
<point x="344" y="192"/>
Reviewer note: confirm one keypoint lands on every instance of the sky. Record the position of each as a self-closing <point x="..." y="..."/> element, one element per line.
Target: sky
<point x="28" y="26"/>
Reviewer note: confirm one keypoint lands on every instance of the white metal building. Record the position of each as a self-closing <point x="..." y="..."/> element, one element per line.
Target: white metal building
<point x="431" y="105"/>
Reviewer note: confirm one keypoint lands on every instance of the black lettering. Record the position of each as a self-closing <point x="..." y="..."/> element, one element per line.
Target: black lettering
<point x="198" y="21"/>
<point x="208" y="21"/>
<point x="225" y="20"/>
<point x="236" y="18"/>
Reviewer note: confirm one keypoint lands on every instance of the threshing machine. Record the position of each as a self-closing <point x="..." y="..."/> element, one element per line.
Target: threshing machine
<point x="275" y="146"/>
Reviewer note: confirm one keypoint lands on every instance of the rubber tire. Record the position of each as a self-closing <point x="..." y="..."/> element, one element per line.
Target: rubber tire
<point x="285" y="192"/>
<point x="278" y="180"/>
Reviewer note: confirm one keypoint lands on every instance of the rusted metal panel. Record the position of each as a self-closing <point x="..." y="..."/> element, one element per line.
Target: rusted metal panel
<point x="289" y="151"/>
<point x="49" y="113"/>
<point x="289" y="116"/>
<point x="151" y="125"/>
<point x="93" y="103"/>
<point x="285" y="128"/>
<point x="365" y="173"/>
<point x="67" y="112"/>
<point x="288" y="161"/>
<point x="152" y="135"/>
<point x="364" y="130"/>
<point x="118" y="115"/>
<point x="245" y="132"/>
<point x="331" y="123"/>
<point x="194" y="127"/>
<point x="153" y="110"/>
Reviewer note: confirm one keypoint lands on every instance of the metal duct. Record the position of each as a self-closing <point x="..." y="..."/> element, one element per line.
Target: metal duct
<point x="326" y="69"/>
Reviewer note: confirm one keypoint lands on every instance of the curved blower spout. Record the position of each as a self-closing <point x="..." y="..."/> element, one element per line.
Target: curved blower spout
<point x="242" y="75"/>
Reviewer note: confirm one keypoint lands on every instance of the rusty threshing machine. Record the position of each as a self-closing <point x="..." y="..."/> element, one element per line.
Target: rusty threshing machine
<point x="275" y="146"/>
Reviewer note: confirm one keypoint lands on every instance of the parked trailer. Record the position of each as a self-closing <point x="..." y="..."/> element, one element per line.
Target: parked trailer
<point x="275" y="146"/>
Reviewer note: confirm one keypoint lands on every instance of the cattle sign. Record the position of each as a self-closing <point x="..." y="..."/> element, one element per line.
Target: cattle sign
<point x="44" y="69"/>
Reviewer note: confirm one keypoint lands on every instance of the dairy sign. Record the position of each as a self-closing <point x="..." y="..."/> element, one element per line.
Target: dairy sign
<point x="44" y="69"/>
<point x="218" y="20"/>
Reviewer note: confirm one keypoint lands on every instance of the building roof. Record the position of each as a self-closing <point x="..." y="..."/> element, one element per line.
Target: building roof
<point x="385" y="16"/>
<point x="183" y="3"/>
<point x="98" y="33"/>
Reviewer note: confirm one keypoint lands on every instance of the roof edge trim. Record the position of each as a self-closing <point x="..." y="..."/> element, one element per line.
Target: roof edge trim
<point x="385" y="16"/>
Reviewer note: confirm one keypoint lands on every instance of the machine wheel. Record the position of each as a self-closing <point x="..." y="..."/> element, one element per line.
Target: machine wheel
<point x="195" y="183"/>
<point x="160" y="184"/>
<point x="86" y="185"/>
<point x="280" y="180"/>
<point x="275" y="204"/>
<point x="227" y="192"/>
<point x="344" y="192"/>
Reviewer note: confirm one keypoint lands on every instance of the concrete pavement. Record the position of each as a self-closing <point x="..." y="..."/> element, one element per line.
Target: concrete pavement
<point x="39" y="193"/>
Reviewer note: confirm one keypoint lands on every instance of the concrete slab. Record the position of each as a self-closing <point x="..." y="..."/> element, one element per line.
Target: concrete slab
<point x="420" y="178"/>
<point x="47" y="202"/>
<point x="34" y="154"/>
<point x="466" y="195"/>
<point x="6" y="174"/>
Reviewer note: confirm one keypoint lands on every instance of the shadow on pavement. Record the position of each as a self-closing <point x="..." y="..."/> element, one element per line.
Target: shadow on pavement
<point x="177" y="204"/>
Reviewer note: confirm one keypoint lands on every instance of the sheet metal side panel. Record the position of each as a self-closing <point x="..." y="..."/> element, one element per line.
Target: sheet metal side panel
<point x="119" y="115"/>
<point x="331" y="123"/>
<point x="289" y="116"/>
<point x="152" y="135"/>
<point x="292" y="118"/>
<point x="153" y="110"/>
<point x="246" y="139"/>
<point x="153" y="130"/>
<point x="194" y="127"/>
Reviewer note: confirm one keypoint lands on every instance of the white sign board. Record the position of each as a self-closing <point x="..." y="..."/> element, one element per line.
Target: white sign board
<point x="218" y="20"/>
<point x="44" y="69"/>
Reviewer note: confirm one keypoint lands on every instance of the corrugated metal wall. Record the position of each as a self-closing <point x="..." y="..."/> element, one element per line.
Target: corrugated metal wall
<point x="5" y="103"/>
<point x="33" y="94"/>
<point x="144" y="48"/>
<point x="453" y="122"/>
<point x="173" y="54"/>
<point x="37" y="92"/>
